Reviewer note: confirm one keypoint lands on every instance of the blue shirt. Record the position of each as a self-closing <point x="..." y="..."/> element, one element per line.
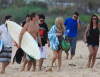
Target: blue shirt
<point x="71" y="27"/>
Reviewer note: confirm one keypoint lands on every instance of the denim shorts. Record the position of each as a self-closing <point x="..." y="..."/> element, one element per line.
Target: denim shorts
<point x="92" y="45"/>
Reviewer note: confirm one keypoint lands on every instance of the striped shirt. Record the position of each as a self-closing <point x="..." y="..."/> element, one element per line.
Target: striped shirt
<point x="54" y="42"/>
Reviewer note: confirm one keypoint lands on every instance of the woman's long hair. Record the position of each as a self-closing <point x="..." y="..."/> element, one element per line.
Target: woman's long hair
<point x="91" y="22"/>
<point x="59" y="23"/>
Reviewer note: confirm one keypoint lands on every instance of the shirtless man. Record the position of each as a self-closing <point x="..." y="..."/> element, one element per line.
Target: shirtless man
<point x="33" y="29"/>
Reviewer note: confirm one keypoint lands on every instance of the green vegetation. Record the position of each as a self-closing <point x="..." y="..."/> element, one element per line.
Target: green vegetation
<point x="19" y="13"/>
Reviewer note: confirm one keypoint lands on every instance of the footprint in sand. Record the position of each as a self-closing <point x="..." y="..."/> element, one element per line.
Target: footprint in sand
<point x="72" y="65"/>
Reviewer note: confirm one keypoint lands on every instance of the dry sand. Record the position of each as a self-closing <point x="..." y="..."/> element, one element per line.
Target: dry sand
<point x="69" y="68"/>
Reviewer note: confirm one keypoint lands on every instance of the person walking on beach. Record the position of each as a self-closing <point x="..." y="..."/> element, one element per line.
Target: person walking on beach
<point x="25" y="57"/>
<point x="92" y="39"/>
<point x="44" y="37"/>
<point x="5" y="55"/>
<point x="72" y="23"/>
<point x="33" y="29"/>
<point x="55" y="36"/>
<point x="25" y="60"/>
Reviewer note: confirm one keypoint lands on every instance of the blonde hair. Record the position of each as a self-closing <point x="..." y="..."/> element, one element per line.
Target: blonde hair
<point x="59" y="23"/>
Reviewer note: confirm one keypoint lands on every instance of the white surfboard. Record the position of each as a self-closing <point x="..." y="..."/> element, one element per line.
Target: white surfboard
<point x="28" y="44"/>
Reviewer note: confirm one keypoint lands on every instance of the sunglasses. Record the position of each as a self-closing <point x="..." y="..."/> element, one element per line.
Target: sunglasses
<point x="75" y="17"/>
<point x="42" y="20"/>
<point x="94" y="18"/>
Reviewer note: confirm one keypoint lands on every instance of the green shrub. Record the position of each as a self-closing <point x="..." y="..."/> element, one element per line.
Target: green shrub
<point x="19" y="14"/>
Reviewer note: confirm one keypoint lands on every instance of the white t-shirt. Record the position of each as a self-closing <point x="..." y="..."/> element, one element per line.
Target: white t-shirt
<point x="5" y="36"/>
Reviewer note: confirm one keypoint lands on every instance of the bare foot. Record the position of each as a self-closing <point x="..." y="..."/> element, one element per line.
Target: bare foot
<point x="49" y="70"/>
<point x="58" y="70"/>
<point x="2" y="72"/>
<point x="12" y="62"/>
<point x="22" y="68"/>
<point x="67" y="54"/>
<point x="87" y="66"/>
<point x="91" y="67"/>
<point x="39" y="69"/>
<point x="71" y="59"/>
<point x="33" y="70"/>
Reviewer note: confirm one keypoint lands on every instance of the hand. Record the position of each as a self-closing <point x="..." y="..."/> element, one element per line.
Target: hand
<point x="41" y="48"/>
<point x="59" y="34"/>
<point x="85" y="41"/>
<point x="95" y="13"/>
<point x="78" y="19"/>
<point x="48" y="44"/>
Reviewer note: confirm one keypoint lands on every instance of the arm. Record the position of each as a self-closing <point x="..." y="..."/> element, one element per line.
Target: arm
<point x="39" y="39"/>
<point x="66" y="21"/>
<point x="48" y="42"/>
<point x="86" y="33"/>
<point x="97" y="16"/>
<point x="21" y="34"/>
<point x="0" y="30"/>
<point x="79" y="25"/>
<point x="99" y="25"/>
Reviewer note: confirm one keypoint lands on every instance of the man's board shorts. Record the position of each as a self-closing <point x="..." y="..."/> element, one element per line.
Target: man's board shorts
<point x="5" y="55"/>
<point x="42" y="53"/>
<point x="29" y="57"/>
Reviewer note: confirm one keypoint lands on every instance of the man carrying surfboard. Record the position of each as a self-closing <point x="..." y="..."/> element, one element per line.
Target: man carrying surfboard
<point x="33" y="29"/>
<point x="5" y="55"/>
<point x="25" y="57"/>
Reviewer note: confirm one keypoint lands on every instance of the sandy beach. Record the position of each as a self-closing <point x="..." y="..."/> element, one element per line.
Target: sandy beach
<point x="69" y="68"/>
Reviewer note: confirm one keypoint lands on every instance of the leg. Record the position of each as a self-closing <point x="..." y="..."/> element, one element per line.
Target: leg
<point x="90" y="55"/>
<point x="40" y="64"/>
<point x="29" y="65"/>
<point x="59" y="59"/>
<point x="43" y="55"/>
<point x="25" y="62"/>
<point x="4" y="65"/>
<point x="67" y="54"/>
<point x="53" y="60"/>
<point x="23" y="59"/>
<point x="94" y="56"/>
<point x="73" y="46"/>
<point x="34" y="66"/>
<point x="3" y="68"/>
